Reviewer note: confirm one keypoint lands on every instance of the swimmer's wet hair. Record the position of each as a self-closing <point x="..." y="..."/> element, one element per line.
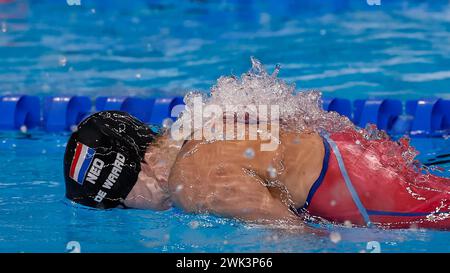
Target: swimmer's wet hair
<point x="102" y="158"/>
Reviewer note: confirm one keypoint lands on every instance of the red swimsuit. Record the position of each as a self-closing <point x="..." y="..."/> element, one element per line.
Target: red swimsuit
<point x="360" y="184"/>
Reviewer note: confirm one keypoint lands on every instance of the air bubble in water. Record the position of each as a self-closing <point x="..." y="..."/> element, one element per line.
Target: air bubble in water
<point x="335" y="237"/>
<point x="62" y="61"/>
<point x="138" y="75"/>
<point x="23" y="129"/>
<point x="73" y="128"/>
<point x="249" y="153"/>
<point x="194" y="224"/>
<point x="4" y="28"/>
<point x="167" y="123"/>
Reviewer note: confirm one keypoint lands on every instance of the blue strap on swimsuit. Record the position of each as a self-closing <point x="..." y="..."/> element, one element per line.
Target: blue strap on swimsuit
<point x="329" y="143"/>
<point x="348" y="181"/>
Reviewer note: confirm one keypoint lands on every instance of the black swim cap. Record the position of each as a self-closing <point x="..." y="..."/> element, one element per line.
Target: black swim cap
<point x="103" y="158"/>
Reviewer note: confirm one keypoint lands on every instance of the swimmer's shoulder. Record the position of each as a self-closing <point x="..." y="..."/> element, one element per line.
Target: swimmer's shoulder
<point x="235" y="152"/>
<point x="223" y="145"/>
<point x="299" y="138"/>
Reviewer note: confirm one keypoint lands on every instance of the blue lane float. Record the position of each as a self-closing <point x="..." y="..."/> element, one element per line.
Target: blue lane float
<point x="63" y="112"/>
<point x="163" y="108"/>
<point x="18" y="111"/>
<point x="425" y="117"/>
<point x="402" y="125"/>
<point x="342" y="106"/>
<point x="383" y="113"/>
<point x="430" y="116"/>
<point x="138" y="107"/>
<point x="149" y="110"/>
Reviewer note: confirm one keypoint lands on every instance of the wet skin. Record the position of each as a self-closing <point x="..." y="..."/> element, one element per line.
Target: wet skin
<point x="221" y="178"/>
<point x="225" y="179"/>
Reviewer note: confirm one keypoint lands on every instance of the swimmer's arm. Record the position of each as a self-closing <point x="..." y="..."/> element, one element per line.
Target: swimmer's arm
<point x="246" y="198"/>
<point x="233" y="194"/>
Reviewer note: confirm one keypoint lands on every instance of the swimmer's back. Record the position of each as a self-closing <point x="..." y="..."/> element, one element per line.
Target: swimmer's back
<point x="296" y="164"/>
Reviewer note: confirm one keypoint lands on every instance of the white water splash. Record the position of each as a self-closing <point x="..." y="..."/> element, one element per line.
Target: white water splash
<point x="299" y="111"/>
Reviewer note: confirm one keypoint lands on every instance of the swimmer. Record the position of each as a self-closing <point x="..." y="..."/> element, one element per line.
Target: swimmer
<point x="114" y="160"/>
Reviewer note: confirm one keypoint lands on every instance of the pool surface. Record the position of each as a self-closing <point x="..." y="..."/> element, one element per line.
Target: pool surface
<point x="149" y="48"/>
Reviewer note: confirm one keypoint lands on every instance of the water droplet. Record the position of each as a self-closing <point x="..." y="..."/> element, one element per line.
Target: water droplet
<point x="194" y="224"/>
<point x="4" y="28"/>
<point x="179" y="188"/>
<point x="167" y="123"/>
<point x="348" y="224"/>
<point x="249" y="153"/>
<point x="272" y="172"/>
<point x="23" y="129"/>
<point x="335" y="237"/>
<point x="62" y="61"/>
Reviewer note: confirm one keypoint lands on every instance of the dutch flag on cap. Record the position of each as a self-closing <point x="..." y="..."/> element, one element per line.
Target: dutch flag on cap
<point x="80" y="163"/>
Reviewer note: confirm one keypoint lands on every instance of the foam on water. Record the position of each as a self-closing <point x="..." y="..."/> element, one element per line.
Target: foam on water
<point x="299" y="111"/>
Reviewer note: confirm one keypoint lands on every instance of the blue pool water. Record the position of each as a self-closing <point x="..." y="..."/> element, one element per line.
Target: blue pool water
<point x="352" y="50"/>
